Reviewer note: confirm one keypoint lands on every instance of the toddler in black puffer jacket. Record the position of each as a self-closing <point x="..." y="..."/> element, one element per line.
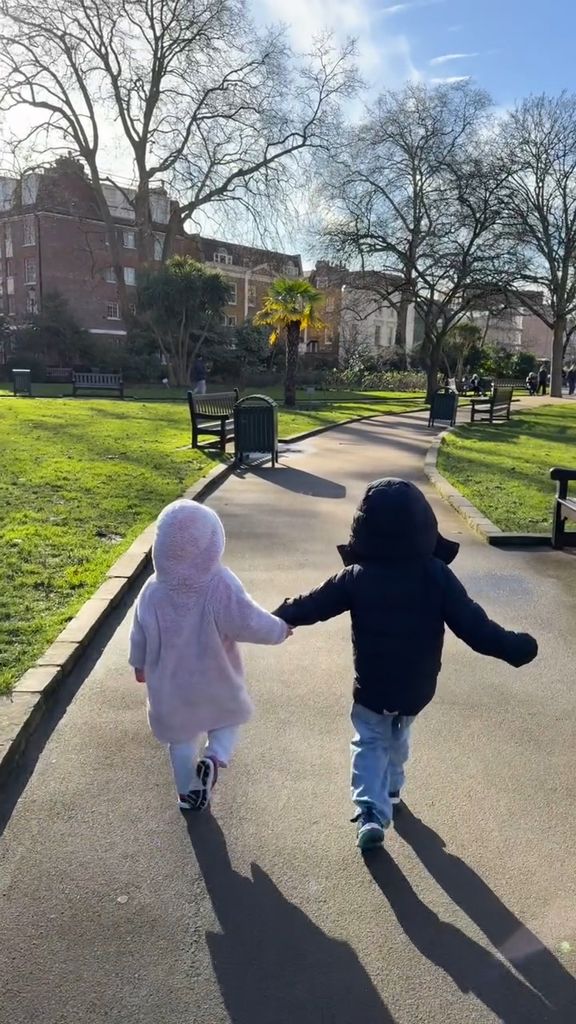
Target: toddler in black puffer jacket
<point x="400" y="593"/>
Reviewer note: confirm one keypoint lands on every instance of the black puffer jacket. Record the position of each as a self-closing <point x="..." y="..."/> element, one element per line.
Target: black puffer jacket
<point x="400" y="593"/>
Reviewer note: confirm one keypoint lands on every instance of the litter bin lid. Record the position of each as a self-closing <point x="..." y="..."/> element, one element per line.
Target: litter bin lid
<point x="255" y="398"/>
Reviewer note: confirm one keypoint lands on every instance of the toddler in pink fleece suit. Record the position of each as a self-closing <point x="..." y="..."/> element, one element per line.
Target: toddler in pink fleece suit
<point x="188" y="620"/>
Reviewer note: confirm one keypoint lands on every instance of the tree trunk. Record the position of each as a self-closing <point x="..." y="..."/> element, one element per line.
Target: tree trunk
<point x="402" y="322"/>
<point x="433" y="368"/>
<point x="143" y="226"/>
<point x="557" y="357"/>
<point x="292" y="346"/>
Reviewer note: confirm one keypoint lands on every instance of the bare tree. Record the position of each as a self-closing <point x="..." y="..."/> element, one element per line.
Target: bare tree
<point x="417" y="201"/>
<point x="205" y="104"/>
<point x="538" y="142"/>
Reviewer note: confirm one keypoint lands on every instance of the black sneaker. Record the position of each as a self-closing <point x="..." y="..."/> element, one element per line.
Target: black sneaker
<point x="370" y="829"/>
<point x="198" y="799"/>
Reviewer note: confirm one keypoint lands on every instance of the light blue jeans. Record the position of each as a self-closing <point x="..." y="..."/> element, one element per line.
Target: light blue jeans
<point x="380" y="749"/>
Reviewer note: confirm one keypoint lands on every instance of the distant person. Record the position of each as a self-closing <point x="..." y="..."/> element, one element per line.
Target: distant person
<point x="571" y="379"/>
<point x="400" y="593"/>
<point x="189" y="618"/>
<point x="532" y="382"/>
<point x="199" y="376"/>
<point x="475" y="384"/>
<point x="542" y="380"/>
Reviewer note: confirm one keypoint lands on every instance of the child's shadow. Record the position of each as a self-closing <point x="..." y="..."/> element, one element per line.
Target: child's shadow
<point x="271" y="961"/>
<point x="513" y="940"/>
<point x="472" y="967"/>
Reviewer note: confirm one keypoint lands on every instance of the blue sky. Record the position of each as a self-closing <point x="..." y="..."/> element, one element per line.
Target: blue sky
<point x="510" y="47"/>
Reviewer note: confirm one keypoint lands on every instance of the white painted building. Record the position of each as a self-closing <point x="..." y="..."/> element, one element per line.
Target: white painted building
<point x="370" y="320"/>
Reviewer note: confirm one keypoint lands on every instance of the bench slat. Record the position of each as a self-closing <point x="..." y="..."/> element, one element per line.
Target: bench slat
<point x="213" y="415"/>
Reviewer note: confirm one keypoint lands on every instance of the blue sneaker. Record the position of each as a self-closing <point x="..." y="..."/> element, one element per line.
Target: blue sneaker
<point x="370" y="829"/>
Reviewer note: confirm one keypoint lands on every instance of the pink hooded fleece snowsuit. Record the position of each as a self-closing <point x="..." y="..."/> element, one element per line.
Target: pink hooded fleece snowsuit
<point x="188" y="620"/>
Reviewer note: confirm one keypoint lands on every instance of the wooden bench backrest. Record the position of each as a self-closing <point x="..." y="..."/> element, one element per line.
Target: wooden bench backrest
<point x="98" y="379"/>
<point x="215" y="405"/>
<point x="502" y="396"/>
<point x="509" y="382"/>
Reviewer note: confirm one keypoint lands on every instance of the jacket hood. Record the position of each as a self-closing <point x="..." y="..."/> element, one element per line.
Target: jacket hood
<point x="394" y="520"/>
<point x="188" y="544"/>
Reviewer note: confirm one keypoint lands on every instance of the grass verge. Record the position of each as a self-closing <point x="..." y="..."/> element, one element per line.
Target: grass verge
<point x="504" y="469"/>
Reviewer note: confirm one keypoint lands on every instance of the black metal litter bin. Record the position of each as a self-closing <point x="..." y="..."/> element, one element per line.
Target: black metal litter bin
<point x="444" y="407"/>
<point x="255" y="429"/>
<point x="22" y="382"/>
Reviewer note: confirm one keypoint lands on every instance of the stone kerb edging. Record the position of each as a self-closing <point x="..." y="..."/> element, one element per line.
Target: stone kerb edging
<point x="479" y="522"/>
<point x="491" y="533"/>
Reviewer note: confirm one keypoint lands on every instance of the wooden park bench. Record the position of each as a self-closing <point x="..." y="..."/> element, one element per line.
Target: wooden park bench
<point x="495" y="407"/>
<point x="213" y="415"/>
<point x="59" y="374"/>
<point x="516" y="383"/>
<point x="564" y="508"/>
<point x="97" y="382"/>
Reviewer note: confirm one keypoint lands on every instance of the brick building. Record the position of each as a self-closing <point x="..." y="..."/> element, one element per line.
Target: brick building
<point x="53" y="239"/>
<point x="248" y="270"/>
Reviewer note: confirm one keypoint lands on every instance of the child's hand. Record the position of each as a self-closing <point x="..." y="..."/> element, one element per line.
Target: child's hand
<point x="139" y="673"/>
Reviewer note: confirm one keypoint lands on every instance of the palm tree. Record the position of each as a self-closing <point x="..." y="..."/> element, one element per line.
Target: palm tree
<point x="291" y="304"/>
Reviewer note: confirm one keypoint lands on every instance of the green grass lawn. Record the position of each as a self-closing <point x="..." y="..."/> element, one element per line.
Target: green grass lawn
<point x="157" y="393"/>
<point x="504" y="469"/>
<point x="79" y="480"/>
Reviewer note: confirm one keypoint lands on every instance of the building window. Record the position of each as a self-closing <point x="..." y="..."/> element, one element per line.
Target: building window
<point x="233" y="299"/>
<point x="378" y="335"/>
<point x="109" y="275"/>
<point x="312" y="347"/>
<point x="251" y="294"/>
<point x="11" y="306"/>
<point x="9" y="268"/>
<point x="9" y="243"/>
<point x="132" y="308"/>
<point x="29" y="271"/>
<point x="223" y="257"/>
<point x="158" y="247"/>
<point x="129" y="276"/>
<point x="330" y="305"/>
<point x="112" y="311"/>
<point x="230" y="321"/>
<point x="129" y="239"/>
<point x="29" y="231"/>
<point x="31" y="304"/>
<point x="291" y="270"/>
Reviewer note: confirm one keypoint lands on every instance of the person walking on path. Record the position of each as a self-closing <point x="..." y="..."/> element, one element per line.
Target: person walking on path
<point x="571" y="379"/>
<point x="542" y="379"/>
<point x="199" y="376"/>
<point x="188" y="620"/>
<point x="400" y="593"/>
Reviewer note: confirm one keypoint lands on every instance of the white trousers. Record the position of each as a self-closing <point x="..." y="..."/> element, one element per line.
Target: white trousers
<point x="221" y="745"/>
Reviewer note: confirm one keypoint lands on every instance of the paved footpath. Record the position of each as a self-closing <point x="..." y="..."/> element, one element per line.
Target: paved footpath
<point x="113" y="909"/>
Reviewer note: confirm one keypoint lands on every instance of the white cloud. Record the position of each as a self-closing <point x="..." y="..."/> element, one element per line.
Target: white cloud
<point x="384" y="59"/>
<point x="454" y="28"/>
<point x="446" y="57"/>
<point x="450" y="79"/>
<point x="408" y="6"/>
